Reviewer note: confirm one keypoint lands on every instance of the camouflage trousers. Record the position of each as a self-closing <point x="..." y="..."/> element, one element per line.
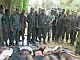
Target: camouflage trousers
<point x="78" y="45"/>
<point x="1" y="38"/>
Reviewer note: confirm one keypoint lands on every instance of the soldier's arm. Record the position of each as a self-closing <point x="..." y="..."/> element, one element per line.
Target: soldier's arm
<point x="11" y="27"/>
<point x="3" y="22"/>
<point x="37" y="23"/>
<point x="27" y="19"/>
<point x="52" y="20"/>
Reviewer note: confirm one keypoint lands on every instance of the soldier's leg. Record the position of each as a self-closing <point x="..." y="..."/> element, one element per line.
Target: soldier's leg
<point x="33" y="35"/>
<point x="36" y="33"/>
<point x="67" y="34"/>
<point x="44" y="32"/>
<point x="56" y="36"/>
<point x="73" y="37"/>
<point x="5" y="37"/>
<point x="40" y="32"/>
<point x="20" y="34"/>
<point x="17" y="37"/>
<point x="14" y="36"/>
<point x="63" y="34"/>
<point x="59" y="33"/>
<point x="29" y="35"/>
<point x="23" y="36"/>
<point x="1" y="38"/>
<point x="49" y="35"/>
<point x="23" y="32"/>
<point x="53" y="32"/>
<point x="11" y="38"/>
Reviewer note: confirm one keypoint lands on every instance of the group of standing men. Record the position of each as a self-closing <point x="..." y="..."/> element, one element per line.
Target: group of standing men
<point x="59" y="24"/>
<point x="13" y="26"/>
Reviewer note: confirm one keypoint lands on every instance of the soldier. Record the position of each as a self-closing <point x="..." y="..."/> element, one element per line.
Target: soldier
<point x="58" y="27"/>
<point x="1" y="34"/>
<point x="74" y="24"/>
<point x="50" y="20"/>
<point x="6" y="26"/>
<point x="36" y="15"/>
<point x="22" y="25"/>
<point x="54" y="25"/>
<point x="78" y="42"/>
<point x="42" y="26"/>
<point x="65" y="26"/>
<point x="15" y="26"/>
<point x="31" y="26"/>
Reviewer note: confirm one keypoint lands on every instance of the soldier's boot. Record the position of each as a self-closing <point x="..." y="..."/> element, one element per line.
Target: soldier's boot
<point x="48" y="40"/>
<point x="72" y="43"/>
<point x="44" y="42"/>
<point x="57" y="41"/>
<point x="28" y="42"/>
<point x="6" y="43"/>
<point x="66" y="40"/>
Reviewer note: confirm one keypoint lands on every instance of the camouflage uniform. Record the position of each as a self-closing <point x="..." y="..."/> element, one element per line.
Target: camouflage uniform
<point x="31" y="26"/>
<point x="6" y="27"/>
<point x="78" y="42"/>
<point x="66" y="27"/>
<point x="15" y="25"/>
<point x="22" y="26"/>
<point x="1" y="34"/>
<point x="49" y="29"/>
<point x="54" y="25"/>
<point x="58" y="28"/>
<point x="74" y="24"/>
<point x="42" y="26"/>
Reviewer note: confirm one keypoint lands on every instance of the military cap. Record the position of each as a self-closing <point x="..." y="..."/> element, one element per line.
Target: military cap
<point x="17" y="9"/>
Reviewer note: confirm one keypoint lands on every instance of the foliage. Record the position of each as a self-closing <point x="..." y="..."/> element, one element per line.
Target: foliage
<point x="22" y="4"/>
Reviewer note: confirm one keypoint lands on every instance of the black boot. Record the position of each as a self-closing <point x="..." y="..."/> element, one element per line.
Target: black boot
<point x="48" y="40"/>
<point x="66" y="41"/>
<point x="22" y="42"/>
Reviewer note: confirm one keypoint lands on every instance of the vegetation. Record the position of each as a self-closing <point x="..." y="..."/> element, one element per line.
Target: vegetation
<point x="23" y="4"/>
<point x="10" y="4"/>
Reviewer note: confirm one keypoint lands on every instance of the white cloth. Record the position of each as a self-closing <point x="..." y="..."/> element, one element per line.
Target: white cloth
<point x="6" y="53"/>
<point x="55" y="48"/>
<point x="27" y="47"/>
